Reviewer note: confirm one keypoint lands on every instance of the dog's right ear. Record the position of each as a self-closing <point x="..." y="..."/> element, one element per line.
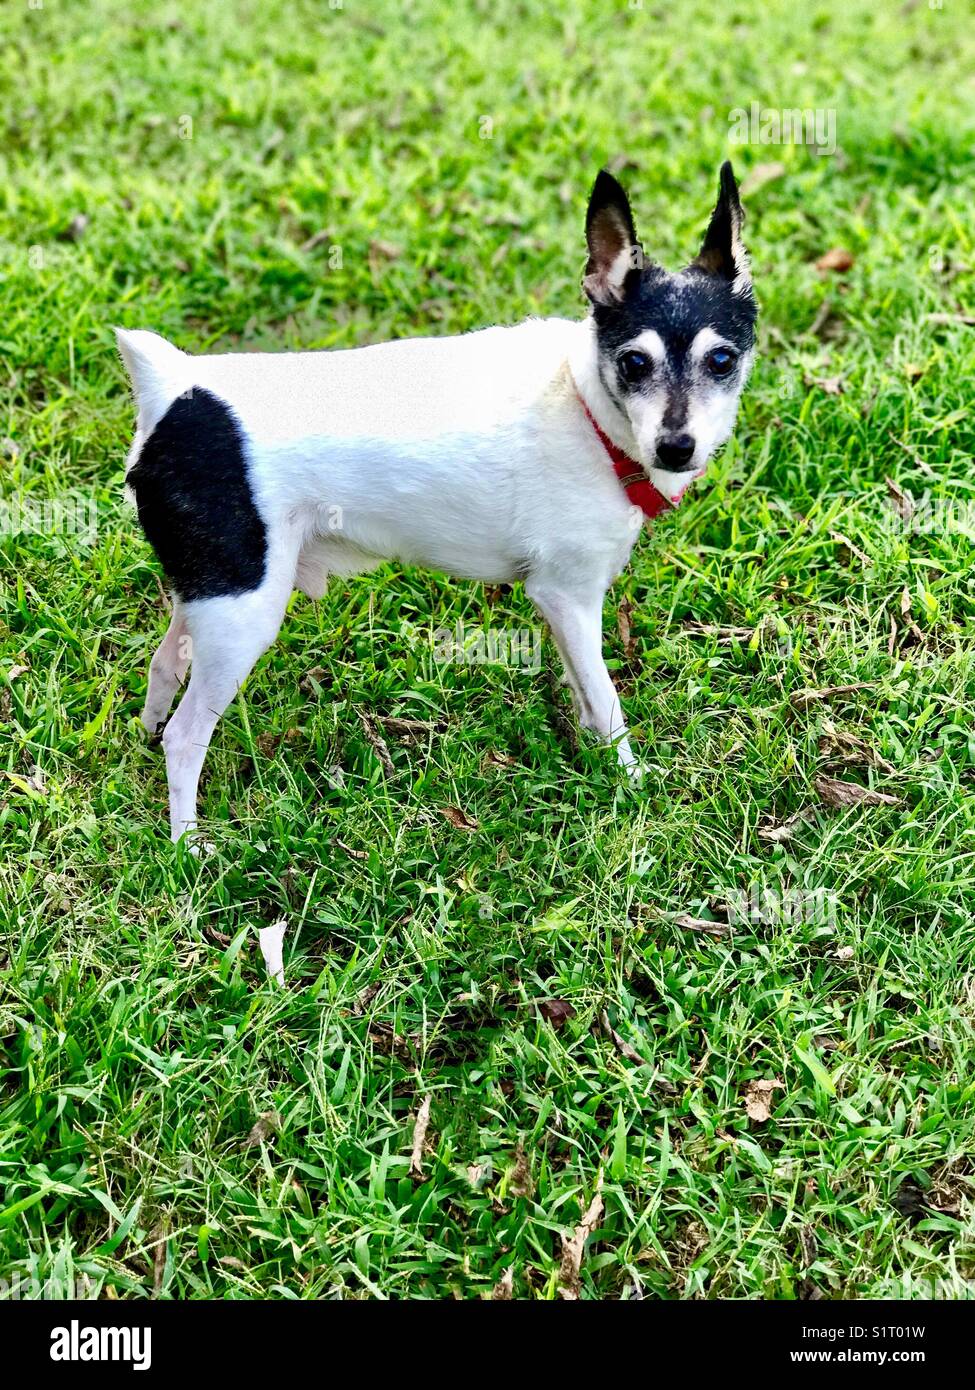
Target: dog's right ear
<point x="615" y="255"/>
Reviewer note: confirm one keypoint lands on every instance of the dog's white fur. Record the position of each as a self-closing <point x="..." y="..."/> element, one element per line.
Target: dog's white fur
<point x="470" y="455"/>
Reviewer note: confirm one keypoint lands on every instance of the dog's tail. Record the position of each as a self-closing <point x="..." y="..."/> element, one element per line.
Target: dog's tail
<point x="158" y="370"/>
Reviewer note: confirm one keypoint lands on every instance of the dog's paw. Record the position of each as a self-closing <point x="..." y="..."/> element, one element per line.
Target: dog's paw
<point x="153" y="725"/>
<point x="191" y="842"/>
<point x="636" y="771"/>
<point x="201" y="849"/>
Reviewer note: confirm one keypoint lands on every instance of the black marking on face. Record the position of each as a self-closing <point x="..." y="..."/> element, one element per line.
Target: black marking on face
<point x="675" y="414"/>
<point x="713" y="292"/>
<point x="195" y="502"/>
<point x="677" y="307"/>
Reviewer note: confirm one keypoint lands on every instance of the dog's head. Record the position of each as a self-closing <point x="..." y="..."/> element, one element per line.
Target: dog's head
<point x="673" y="350"/>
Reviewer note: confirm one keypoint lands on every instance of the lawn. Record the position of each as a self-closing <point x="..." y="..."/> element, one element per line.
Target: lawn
<point x="731" y="1021"/>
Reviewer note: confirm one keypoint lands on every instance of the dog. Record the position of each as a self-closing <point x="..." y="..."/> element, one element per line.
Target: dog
<point x="530" y="453"/>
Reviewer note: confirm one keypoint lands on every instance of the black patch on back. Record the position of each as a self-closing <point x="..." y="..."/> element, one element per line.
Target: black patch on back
<point x="195" y="502"/>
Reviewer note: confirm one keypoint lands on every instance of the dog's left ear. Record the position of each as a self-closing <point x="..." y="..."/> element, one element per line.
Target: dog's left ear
<point x="722" y="251"/>
<point x="615" y="255"/>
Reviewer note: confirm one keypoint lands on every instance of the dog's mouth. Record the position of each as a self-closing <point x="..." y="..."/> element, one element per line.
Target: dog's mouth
<point x="673" y="485"/>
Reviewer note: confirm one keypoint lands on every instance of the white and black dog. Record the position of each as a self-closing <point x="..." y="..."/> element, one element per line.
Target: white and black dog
<point x="529" y="453"/>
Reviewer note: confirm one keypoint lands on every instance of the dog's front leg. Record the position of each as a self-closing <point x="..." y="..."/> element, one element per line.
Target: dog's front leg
<point x="576" y="623"/>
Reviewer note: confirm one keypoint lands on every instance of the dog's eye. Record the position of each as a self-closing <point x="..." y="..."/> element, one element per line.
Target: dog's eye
<point x="720" y="361"/>
<point x="634" y="367"/>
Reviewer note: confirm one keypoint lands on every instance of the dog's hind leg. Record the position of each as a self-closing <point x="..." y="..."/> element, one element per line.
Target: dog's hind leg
<point x="228" y="634"/>
<point x="311" y="571"/>
<point x="167" y="671"/>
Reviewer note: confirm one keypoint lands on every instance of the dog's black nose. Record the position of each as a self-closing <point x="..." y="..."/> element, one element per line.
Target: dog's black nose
<point x="675" y="453"/>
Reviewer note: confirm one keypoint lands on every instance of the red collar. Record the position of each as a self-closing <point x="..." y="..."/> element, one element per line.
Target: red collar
<point x="635" y="483"/>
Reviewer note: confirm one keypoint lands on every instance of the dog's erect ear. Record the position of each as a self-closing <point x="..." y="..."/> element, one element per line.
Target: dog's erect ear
<point x="615" y="255"/>
<point x="722" y="252"/>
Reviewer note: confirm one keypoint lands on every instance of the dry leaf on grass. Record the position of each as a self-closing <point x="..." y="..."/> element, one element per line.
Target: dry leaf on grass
<point x="317" y="676"/>
<point x="823" y="322"/>
<point x="459" y="818"/>
<point x="901" y="501"/>
<point x="603" y="1025"/>
<point x="164" y="598"/>
<point x="623" y="615"/>
<point x="914" y="456"/>
<point x="620" y="1043"/>
<point x="781" y="833"/>
<point x="844" y="540"/>
<point x="704" y="925"/>
<point x="385" y="1040"/>
<point x="759" y="176"/>
<point x="834" y="792"/>
<point x="503" y="1290"/>
<point x="846" y="748"/>
<point x="159" y="1244"/>
<point x="802" y="699"/>
<point x="347" y="849"/>
<point x="619" y="163"/>
<point x="844" y="953"/>
<point x="271" y="940"/>
<point x="967" y="319"/>
<point x="399" y="727"/>
<point x="520" y="1180"/>
<point x="380" y="252"/>
<point x="387" y="249"/>
<point x="16" y="671"/>
<point x="266" y="1124"/>
<point x="830" y="385"/>
<point x="556" y="1011"/>
<point x="316" y="239"/>
<point x="573" y="1247"/>
<point x="76" y="228"/>
<point x="723" y="633"/>
<point x="365" y="997"/>
<point x="495" y="758"/>
<point x="267" y="744"/>
<point x="810" y="1247"/>
<point x="758" y="1099"/>
<point x="837" y="259"/>
<point x="34" y="783"/>
<point x="377" y="742"/>
<point x="420" y="1126"/>
<point x="907" y="618"/>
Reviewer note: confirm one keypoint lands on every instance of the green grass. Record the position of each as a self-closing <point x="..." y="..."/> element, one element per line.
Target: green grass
<point x="140" y="1038"/>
